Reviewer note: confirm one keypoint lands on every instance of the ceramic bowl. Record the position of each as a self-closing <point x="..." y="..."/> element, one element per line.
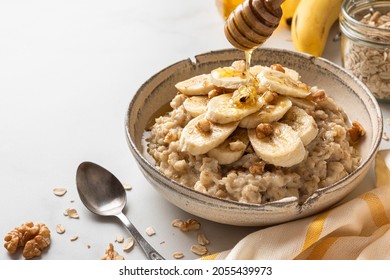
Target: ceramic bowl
<point x="345" y="89"/>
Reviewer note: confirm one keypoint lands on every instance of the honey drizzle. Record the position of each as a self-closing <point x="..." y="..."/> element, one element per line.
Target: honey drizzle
<point x="248" y="58"/>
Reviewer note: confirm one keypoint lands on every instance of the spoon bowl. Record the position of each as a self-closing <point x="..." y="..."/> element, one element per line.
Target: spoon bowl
<point x="104" y="195"/>
<point x="100" y="191"/>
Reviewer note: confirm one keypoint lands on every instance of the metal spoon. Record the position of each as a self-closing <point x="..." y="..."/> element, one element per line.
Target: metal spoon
<point x="103" y="194"/>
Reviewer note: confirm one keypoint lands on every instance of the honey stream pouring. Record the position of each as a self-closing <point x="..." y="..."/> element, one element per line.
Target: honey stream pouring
<point x="252" y="23"/>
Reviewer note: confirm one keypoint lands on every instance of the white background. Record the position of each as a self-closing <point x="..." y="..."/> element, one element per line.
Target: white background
<point x="68" y="70"/>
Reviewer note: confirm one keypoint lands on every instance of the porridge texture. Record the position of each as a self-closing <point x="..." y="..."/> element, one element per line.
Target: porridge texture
<point x="254" y="140"/>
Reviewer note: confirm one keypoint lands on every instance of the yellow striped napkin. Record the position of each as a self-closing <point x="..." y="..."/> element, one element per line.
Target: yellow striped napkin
<point x="357" y="229"/>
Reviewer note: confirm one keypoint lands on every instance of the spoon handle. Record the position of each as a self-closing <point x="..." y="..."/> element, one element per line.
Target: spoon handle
<point x="146" y="247"/>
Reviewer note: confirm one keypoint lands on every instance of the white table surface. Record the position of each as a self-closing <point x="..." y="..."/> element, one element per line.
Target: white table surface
<point x="68" y="70"/>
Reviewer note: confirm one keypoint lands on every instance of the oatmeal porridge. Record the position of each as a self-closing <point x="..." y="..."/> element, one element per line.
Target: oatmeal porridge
<point x="254" y="140"/>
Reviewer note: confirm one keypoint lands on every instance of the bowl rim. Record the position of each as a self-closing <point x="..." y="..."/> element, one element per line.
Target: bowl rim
<point x="225" y="203"/>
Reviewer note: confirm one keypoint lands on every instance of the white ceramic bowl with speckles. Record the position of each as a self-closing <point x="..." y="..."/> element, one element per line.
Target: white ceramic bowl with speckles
<point x="346" y="90"/>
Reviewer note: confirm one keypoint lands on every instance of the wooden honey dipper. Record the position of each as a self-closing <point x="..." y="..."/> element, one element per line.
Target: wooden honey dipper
<point x="252" y="23"/>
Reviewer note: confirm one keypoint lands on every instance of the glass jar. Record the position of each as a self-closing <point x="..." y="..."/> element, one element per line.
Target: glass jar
<point x="365" y="43"/>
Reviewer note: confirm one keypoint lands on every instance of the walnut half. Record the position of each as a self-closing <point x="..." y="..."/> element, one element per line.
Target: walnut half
<point x="34" y="238"/>
<point x="111" y="254"/>
<point x="356" y="132"/>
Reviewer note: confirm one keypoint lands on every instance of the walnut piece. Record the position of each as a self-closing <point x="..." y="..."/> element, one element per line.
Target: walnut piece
<point x="264" y="130"/>
<point x="278" y="67"/>
<point x="203" y="126"/>
<point x="185" y="226"/>
<point x="111" y="254"/>
<point x="34" y="238"/>
<point x="270" y="96"/>
<point x="356" y="132"/>
<point x="257" y="167"/>
<point x="317" y="96"/>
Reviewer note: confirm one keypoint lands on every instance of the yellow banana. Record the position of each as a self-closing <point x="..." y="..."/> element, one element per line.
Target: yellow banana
<point x="311" y="24"/>
<point x="288" y="8"/>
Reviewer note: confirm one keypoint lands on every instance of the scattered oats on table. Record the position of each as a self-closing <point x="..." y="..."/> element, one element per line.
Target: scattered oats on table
<point x="60" y="229"/>
<point x="178" y="255"/>
<point x="74" y="238"/>
<point x="202" y="240"/>
<point x="385" y="136"/>
<point x="199" y="250"/>
<point x="119" y="238"/>
<point x="127" y="187"/>
<point x="59" y="191"/>
<point x="128" y="244"/>
<point x="71" y="213"/>
<point x="150" y="231"/>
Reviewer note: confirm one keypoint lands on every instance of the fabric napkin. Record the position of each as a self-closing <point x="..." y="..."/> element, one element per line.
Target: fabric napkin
<point x="357" y="229"/>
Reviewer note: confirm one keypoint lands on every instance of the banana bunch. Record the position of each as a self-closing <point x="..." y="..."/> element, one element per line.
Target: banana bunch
<point x="266" y="116"/>
<point x="310" y="22"/>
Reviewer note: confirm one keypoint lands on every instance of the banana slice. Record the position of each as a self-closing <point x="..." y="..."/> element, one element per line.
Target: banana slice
<point x="228" y="77"/>
<point x="281" y="147"/>
<point x="282" y="83"/>
<point x="198" y="85"/>
<point x="256" y="69"/>
<point x="232" y="148"/>
<point x="200" y="135"/>
<point x="196" y="105"/>
<point x="303" y="103"/>
<point x="292" y="73"/>
<point x="302" y="123"/>
<point x="222" y="108"/>
<point x="268" y="113"/>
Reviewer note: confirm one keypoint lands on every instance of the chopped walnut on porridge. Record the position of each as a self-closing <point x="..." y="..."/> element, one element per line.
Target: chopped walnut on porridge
<point x="254" y="141"/>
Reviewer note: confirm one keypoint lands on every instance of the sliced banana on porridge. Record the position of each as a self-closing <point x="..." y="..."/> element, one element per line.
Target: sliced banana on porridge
<point x="196" y="105"/>
<point x="253" y="139"/>
<point x="232" y="148"/>
<point x="228" y="77"/>
<point x="302" y="123"/>
<point x="256" y="69"/>
<point x="271" y="112"/>
<point x="277" y="143"/>
<point x="231" y="107"/>
<point x="282" y="83"/>
<point x="303" y="103"/>
<point x="200" y="135"/>
<point x="198" y="85"/>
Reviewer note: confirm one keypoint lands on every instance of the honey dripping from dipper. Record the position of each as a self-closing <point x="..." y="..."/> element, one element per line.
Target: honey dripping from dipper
<point x="250" y="24"/>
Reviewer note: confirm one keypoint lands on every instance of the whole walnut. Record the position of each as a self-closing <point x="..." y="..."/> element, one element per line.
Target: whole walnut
<point x="34" y="238"/>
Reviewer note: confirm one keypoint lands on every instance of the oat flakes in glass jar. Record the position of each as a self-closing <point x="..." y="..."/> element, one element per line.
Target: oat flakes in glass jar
<point x="365" y="43"/>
